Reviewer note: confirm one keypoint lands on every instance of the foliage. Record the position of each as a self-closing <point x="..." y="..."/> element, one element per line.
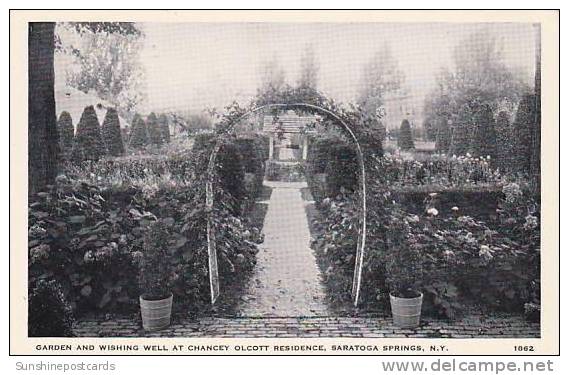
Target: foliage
<point x="480" y="78"/>
<point x="66" y="133"/>
<point x="278" y="171"/>
<point x="402" y="257"/>
<point x="87" y="231"/>
<point x="380" y="76"/>
<point x="49" y="313"/>
<point x="456" y="261"/>
<point x="484" y="143"/>
<point x="522" y="128"/>
<point x="155" y="136"/>
<point x="405" y="140"/>
<point x="504" y="142"/>
<point x="88" y="143"/>
<point x="163" y="123"/>
<point x="138" y="133"/>
<point x="104" y="58"/>
<point x="111" y="132"/>
<point x="155" y="274"/>
<point x="438" y="170"/>
<point x="335" y="158"/>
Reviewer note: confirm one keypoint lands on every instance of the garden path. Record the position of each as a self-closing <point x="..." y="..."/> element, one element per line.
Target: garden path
<point x="286" y="280"/>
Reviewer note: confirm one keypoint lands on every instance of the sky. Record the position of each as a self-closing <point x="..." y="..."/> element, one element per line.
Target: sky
<point x="191" y="66"/>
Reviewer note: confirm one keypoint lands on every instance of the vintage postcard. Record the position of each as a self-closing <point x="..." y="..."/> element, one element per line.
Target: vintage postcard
<point x="284" y="182"/>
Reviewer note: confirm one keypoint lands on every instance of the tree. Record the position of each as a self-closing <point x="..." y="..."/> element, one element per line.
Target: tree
<point x="66" y="134"/>
<point x="522" y="129"/>
<point x="380" y="76"/>
<point x="164" y="127"/>
<point x="88" y="144"/>
<point x="105" y="60"/>
<point x="405" y="140"/>
<point x="479" y="78"/>
<point x="43" y="142"/>
<point x="272" y="82"/>
<point x="154" y="130"/>
<point x="138" y="132"/>
<point x="111" y="132"/>
<point x="306" y="89"/>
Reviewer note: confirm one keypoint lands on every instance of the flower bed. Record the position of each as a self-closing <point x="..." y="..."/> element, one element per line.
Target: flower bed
<point x="464" y="262"/>
<point x="86" y="231"/>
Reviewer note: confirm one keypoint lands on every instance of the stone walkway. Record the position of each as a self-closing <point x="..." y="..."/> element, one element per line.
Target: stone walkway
<point x="286" y="280"/>
<point x="505" y="326"/>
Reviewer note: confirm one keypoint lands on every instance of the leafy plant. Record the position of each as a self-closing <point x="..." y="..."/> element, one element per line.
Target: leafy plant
<point x="49" y="313"/>
<point x="111" y="132"/>
<point x="88" y="144"/>
<point x="155" y="262"/>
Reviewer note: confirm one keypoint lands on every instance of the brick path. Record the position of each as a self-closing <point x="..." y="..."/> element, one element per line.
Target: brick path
<point x="286" y="280"/>
<point x="504" y="326"/>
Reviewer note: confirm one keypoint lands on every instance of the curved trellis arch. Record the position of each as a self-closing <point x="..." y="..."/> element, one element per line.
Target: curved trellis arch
<point x="212" y="251"/>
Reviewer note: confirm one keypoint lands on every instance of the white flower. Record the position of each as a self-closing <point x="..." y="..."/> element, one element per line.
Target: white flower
<point x="454" y="208"/>
<point x="485" y="252"/>
<point x="433" y="211"/>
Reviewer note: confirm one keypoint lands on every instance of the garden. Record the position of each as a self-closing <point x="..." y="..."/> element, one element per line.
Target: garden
<point x="160" y="216"/>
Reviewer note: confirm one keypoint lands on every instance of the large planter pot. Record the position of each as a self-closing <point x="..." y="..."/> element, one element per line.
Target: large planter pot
<point x="156" y="314"/>
<point x="406" y="311"/>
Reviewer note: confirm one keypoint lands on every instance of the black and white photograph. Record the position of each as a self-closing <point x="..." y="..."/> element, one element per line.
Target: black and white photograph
<point x="371" y="180"/>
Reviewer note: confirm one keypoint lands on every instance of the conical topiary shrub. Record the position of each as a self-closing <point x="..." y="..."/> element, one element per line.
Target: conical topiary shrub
<point x="88" y="143"/>
<point x="405" y="140"/>
<point x="522" y="129"/>
<point x="442" y="141"/>
<point x="504" y="141"/>
<point x="154" y="131"/>
<point x="163" y="122"/>
<point x="138" y="133"/>
<point x="111" y="132"/>
<point x="484" y="143"/>
<point x="66" y="134"/>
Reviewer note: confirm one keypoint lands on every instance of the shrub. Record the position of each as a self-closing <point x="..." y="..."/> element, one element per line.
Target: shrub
<point x="522" y="128"/>
<point x="88" y="144"/>
<point x="49" y="313"/>
<point x="443" y="137"/>
<point x="138" y="133"/>
<point x="338" y="160"/>
<point x="251" y="153"/>
<point x="155" y="135"/>
<point x="229" y="167"/>
<point x="504" y="142"/>
<point x="66" y="134"/>
<point x="484" y="143"/>
<point x="111" y="132"/>
<point x="342" y="170"/>
<point x="155" y="265"/>
<point x="405" y="140"/>
<point x="403" y="260"/>
<point x="164" y="128"/>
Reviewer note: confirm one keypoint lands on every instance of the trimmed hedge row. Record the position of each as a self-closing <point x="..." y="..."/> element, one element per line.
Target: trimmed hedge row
<point x="331" y="167"/>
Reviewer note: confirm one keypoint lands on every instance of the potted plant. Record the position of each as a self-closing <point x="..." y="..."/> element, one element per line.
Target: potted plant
<point x="155" y="278"/>
<point x="403" y="265"/>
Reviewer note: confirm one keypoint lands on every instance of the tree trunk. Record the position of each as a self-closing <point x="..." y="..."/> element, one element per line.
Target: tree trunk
<point x="43" y="144"/>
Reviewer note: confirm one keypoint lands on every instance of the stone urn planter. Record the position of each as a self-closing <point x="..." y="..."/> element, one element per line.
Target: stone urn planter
<point x="406" y="311"/>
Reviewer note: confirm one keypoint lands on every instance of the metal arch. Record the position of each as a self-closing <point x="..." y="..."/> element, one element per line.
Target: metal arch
<point x="212" y="252"/>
